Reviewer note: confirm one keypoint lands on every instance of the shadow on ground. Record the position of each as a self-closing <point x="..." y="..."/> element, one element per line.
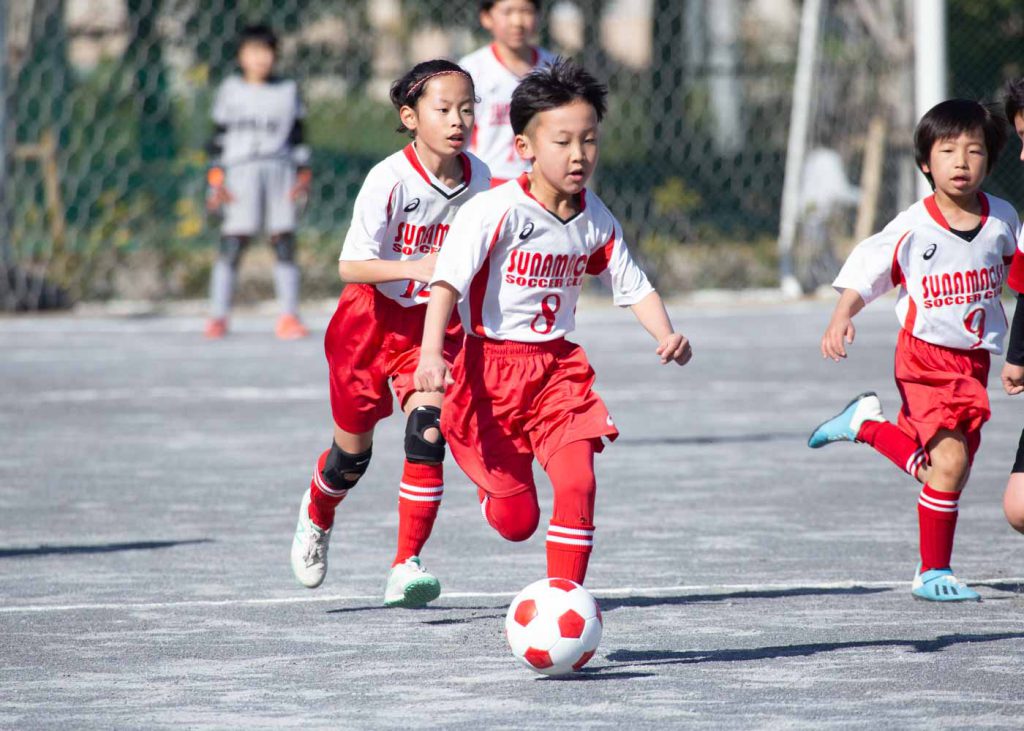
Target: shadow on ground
<point x="613" y="603"/>
<point x="723" y="439"/>
<point x="71" y="550"/>
<point x="609" y="604"/>
<point x="625" y="658"/>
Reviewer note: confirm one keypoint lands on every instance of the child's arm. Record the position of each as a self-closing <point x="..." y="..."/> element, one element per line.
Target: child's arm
<point x="432" y="372"/>
<point x="840" y="327"/>
<point x="672" y="346"/>
<point x="376" y="271"/>
<point x="1013" y="370"/>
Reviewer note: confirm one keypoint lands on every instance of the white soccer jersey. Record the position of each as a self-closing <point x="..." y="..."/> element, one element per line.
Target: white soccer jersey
<point x="519" y="268"/>
<point x="492" y="139"/>
<point x="403" y="213"/>
<point x="949" y="287"/>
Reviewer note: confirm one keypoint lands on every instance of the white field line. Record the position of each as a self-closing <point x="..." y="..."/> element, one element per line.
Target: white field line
<point x="625" y="591"/>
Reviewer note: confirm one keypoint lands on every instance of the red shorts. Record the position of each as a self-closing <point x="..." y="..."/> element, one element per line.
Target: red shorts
<point x="511" y="401"/>
<point x="942" y="388"/>
<point x="371" y="340"/>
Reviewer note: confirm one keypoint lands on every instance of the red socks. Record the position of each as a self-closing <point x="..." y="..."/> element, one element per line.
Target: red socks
<point x="936" y="514"/>
<point x="890" y="441"/>
<point x="570" y="536"/>
<point x="323" y="498"/>
<point x="569" y="551"/>
<point x="419" y="498"/>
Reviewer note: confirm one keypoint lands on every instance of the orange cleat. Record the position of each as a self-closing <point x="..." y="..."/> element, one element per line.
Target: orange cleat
<point x="289" y="328"/>
<point x="216" y="329"/>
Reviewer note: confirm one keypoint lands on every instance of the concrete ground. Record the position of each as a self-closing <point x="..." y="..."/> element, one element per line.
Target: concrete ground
<point x="149" y="482"/>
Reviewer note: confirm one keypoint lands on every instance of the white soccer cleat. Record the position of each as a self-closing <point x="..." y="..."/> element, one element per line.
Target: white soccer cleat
<point x="309" y="548"/>
<point x="409" y="585"/>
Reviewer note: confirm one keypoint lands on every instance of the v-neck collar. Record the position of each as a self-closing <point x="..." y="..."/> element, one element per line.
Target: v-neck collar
<point x="524" y="184"/>
<point x="467" y="173"/>
<point x="933" y="210"/>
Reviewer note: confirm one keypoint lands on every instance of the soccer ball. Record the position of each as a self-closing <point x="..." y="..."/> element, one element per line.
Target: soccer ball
<point x="553" y="626"/>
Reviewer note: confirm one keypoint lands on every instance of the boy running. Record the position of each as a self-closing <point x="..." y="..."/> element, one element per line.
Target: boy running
<point x="515" y="262"/>
<point x="401" y="218"/>
<point x="948" y="255"/>
<point x="259" y="170"/>
<point x="497" y="69"/>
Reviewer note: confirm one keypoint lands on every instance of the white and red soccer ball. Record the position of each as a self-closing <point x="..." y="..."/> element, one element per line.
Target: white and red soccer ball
<point x="553" y="626"/>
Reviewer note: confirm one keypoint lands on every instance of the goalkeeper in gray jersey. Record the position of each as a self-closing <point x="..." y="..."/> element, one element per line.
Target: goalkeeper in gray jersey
<point x="259" y="170"/>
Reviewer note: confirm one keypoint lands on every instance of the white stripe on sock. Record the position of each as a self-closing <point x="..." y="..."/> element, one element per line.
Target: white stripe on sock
<point x="420" y="488"/>
<point x="915" y="461"/>
<point x="323" y="486"/>
<point x="937" y="504"/>
<point x="569" y="541"/>
<point x="572" y="531"/>
<point x="436" y="498"/>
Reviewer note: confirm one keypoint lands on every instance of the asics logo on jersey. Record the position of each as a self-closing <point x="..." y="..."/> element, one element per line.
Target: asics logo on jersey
<point x="527" y="230"/>
<point x="412" y="205"/>
<point x="930" y="252"/>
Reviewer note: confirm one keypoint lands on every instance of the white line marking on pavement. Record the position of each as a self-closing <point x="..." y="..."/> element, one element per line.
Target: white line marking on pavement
<point x="638" y="591"/>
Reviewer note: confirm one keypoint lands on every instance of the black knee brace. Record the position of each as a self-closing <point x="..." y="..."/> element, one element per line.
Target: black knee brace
<point x="284" y="247"/>
<point x="417" y="448"/>
<point x="231" y="248"/>
<point x="340" y="464"/>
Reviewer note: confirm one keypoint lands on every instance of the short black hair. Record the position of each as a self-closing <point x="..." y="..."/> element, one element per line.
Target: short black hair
<point x="486" y="5"/>
<point x="557" y="85"/>
<point x="408" y="89"/>
<point x="1013" y="99"/>
<point x="258" y="33"/>
<point x="952" y="118"/>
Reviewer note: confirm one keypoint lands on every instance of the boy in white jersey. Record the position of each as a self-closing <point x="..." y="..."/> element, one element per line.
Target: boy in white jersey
<point x="259" y="170"/>
<point x="497" y="69"/>
<point x="948" y="254"/>
<point x="515" y="261"/>
<point x="401" y="218"/>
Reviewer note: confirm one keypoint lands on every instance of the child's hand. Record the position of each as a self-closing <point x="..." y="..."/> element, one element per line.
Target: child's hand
<point x="300" y="191"/>
<point x="840" y="329"/>
<point x="219" y="195"/>
<point x="422" y="270"/>
<point x="674" y="347"/>
<point x="1013" y="379"/>
<point x="432" y="374"/>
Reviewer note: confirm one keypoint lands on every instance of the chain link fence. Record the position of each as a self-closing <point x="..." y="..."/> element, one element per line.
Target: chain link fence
<point x="107" y="102"/>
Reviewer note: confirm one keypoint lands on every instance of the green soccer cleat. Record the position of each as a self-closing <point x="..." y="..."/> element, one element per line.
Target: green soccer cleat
<point x="410" y="586"/>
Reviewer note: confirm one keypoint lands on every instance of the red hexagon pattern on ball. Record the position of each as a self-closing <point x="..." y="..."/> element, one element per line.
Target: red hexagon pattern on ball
<point x="571" y="624"/>
<point x="563" y="584"/>
<point x="600" y="620"/>
<point x="525" y="612"/>
<point x="538" y="658"/>
<point x="584" y="659"/>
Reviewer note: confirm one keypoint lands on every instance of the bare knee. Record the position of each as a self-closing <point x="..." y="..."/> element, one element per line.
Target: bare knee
<point x="950" y="462"/>
<point x="1013" y="501"/>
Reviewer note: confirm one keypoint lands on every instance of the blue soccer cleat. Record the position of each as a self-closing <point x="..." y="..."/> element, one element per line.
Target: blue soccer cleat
<point x="939" y="585"/>
<point x="844" y="426"/>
